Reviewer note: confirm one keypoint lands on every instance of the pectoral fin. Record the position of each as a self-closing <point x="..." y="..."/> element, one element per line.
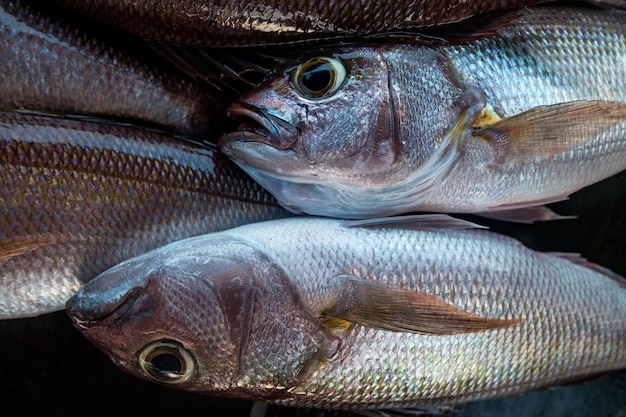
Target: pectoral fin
<point x="376" y="305"/>
<point x="546" y="131"/>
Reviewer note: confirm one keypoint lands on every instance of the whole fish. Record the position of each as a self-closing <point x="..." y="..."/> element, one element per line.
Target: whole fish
<point x="263" y="22"/>
<point x="503" y="123"/>
<point x="365" y="314"/>
<point x="78" y="197"/>
<point x="52" y="63"/>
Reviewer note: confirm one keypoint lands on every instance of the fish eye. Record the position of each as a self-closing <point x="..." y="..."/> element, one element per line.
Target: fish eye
<point x="319" y="77"/>
<point x="167" y="362"/>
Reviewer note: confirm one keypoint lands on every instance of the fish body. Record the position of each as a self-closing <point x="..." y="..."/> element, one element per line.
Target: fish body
<point x="52" y="63"/>
<point x="78" y="197"/>
<point x="518" y="119"/>
<point x="262" y="22"/>
<point x="325" y="313"/>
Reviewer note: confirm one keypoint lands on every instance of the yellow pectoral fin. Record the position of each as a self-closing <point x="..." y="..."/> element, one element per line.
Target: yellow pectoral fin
<point x="546" y="131"/>
<point x="376" y="305"/>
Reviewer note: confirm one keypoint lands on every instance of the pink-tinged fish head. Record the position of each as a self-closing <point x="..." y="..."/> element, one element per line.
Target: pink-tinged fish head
<point x="335" y="126"/>
<point x="315" y="123"/>
<point x="201" y="315"/>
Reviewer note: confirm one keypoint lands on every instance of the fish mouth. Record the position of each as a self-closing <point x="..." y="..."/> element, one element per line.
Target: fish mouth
<point x="258" y="125"/>
<point x="86" y="312"/>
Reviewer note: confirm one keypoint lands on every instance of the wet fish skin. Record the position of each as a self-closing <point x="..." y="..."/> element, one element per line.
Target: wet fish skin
<point x="78" y="197"/>
<point x="53" y="64"/>
<point x="519" y="119"/>
<point x="333" y="331"/>
<point x="262" y="22"/>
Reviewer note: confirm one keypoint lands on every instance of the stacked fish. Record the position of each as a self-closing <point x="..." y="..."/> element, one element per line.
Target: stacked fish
<point x="446" y="108"/>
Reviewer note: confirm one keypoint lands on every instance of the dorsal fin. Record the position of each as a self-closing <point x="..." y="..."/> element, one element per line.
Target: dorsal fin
<point x="415" y="222"/>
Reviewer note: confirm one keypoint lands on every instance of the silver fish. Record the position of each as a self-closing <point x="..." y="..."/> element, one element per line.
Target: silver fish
<point x="516" y="120"/>
<point x="78" y="197"/>
<point x="50" y="65"/>
<point x="364" y="314"/>
<point x="265" y="22"/>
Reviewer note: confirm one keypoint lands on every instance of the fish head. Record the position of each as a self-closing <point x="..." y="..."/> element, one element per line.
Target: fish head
<point x="316" y="122"/>
<point x="335" y="126"/>
<point x="210" y="315"/>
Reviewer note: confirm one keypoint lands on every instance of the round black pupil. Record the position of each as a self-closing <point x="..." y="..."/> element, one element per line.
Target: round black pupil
<point x="317" y="77"/>
<point x="166" y="364"/>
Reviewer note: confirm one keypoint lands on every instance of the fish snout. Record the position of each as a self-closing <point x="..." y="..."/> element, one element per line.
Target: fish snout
<point x="90" y="311"/>
<point x="259" y="125"/>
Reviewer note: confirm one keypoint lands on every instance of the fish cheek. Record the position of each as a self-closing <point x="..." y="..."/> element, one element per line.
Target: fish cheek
<point x="192" y="314"/>
<point x="280" y="340"/>
<point x="185" y="314"/>
<point x="351" y="133"/>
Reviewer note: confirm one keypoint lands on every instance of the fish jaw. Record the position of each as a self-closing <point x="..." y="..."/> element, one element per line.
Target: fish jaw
<point x="292" y="184"/>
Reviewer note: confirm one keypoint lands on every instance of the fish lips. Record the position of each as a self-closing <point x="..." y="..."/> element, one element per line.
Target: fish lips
<point x="263" y="147"/>
<point x="257" y="124"/>
<point x="263" y="142"/>
<point x="114" y="296"/>
<point x="87" y="312"/>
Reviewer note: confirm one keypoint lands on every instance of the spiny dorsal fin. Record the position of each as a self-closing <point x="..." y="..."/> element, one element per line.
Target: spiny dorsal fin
<point x="379" y="306"/>
<point x="415" y="222"/>
<point x="527" y="215"/>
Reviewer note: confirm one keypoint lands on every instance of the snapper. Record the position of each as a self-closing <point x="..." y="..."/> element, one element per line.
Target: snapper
<point x="328" y="313"/>
<point x="499" y="125"/>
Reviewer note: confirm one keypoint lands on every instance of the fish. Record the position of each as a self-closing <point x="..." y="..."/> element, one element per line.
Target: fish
<point x="262" y="22"/>
<point x="56" y="64"/>
<point x="367" y="314"/>
<point x="77" y="197"/>
<point x="499" y="126"/>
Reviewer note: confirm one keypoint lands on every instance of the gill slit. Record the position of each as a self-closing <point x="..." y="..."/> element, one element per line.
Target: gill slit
<point x="395" y="112"/>
<point x="246" y="325"/>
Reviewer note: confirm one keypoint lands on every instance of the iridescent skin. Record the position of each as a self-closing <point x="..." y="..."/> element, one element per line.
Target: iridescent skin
<point x="50" y="63"/>
<point x="263" y="22"/>
<point x="403" y="132"/>
<point x="257" y="309"/>
<point x="79" y="197"/>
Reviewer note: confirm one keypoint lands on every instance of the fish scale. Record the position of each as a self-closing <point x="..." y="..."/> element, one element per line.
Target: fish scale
<point x="371" y="343"/>
<point x="507" y="122"/>
<point x="267" y="22"/>
<point x="552" y="62"/>
<point x="557" y="318"/>
<point x="77" y="197"/>
<point x="57" y="63"/>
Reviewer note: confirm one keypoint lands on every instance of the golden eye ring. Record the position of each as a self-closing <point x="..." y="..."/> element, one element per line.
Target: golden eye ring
<point x="166" y="362"/>
<point x="319" y="77"/>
